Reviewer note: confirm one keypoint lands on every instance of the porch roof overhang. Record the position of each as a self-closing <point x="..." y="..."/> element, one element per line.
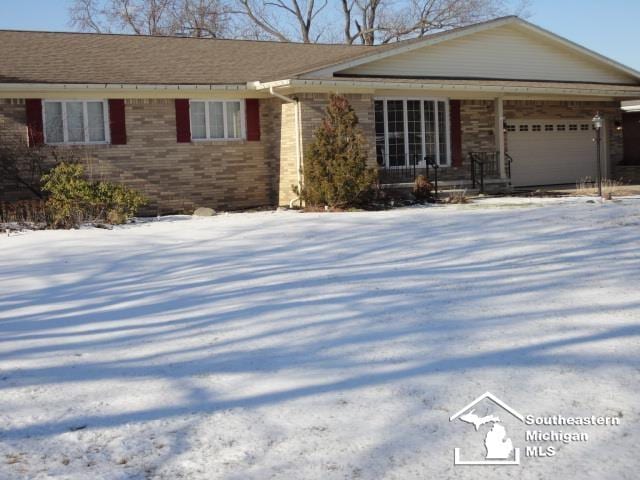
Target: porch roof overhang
<point x="461" y="88"/>
<point x="450" y="87"/>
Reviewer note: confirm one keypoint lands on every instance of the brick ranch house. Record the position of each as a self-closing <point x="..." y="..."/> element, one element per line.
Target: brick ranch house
<point x="225" y="123"/>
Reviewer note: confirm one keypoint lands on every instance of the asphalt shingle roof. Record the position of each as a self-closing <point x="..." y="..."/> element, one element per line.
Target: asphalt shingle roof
<point x="48" y="57"/>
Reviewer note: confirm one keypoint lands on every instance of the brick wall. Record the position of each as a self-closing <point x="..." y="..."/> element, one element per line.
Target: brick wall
<point x="313" y="108"/>
<point x="240" y="174"/>
<point x="312" y="111"/>
<point x="13" y="130"/>
<point x="627" y="173"/>
<point x="477" y="124"/>
<point x="177" y="177"/>
<point x="288" y="171"/>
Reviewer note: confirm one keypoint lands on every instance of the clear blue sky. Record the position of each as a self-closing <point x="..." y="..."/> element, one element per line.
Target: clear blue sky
<point x="609" y="27"/>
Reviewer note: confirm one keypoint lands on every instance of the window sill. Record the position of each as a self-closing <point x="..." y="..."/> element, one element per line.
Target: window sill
<point x="217" y="140"/>
<point x="77" y="144"/>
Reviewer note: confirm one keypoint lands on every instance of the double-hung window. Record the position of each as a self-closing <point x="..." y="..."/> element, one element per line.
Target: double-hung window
<point x="75" y="122"/>
<point x="217" y="120"/>
<point x="408" y="131"/>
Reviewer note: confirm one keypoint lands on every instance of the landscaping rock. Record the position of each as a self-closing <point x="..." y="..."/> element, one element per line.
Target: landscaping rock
<point x="204" y="212"/>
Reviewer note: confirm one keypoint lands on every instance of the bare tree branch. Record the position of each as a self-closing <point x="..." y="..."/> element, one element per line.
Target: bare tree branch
<point x="297" y="23"/>
<point x="151" y="17"/>
<point x="84" y="16"/>
<point x="260" y="21"/>
<point x="363" y="21"/>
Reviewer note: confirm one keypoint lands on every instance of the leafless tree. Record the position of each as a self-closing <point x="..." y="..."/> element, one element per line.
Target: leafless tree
<point x="285" y="20"/>
<point x="423" y="16"/>
<point x="361" y="14"/>
<point x="198" y="18"/>
<point x="367" y="21"/>
<point x="201" y="18"/>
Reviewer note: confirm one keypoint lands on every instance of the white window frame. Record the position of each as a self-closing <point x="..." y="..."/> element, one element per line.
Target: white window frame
<point x="65" y="132"/>
<point x="224" y="101"/>
<point x="421" y="99"/>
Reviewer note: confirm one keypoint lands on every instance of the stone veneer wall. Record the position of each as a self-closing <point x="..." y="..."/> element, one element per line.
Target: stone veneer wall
<point x="176" y="177"/>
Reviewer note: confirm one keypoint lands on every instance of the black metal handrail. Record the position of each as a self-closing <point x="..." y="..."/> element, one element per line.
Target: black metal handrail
<point x="409" y="173"/>
<point x="403" y="173"/>
<point x="483" y="164"/>
<point x="508" y="161"/>
<point x="431" y="162"/>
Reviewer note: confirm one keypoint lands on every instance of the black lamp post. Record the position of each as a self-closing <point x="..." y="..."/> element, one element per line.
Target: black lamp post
<point x="597" y="126"/>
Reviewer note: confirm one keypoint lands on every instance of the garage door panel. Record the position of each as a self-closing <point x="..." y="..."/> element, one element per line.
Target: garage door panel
<point x="547" y="152"/>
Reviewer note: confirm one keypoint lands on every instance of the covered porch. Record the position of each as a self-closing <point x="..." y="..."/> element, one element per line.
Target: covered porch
<point x="452" y="141"/>
<point x="501" y="143"/>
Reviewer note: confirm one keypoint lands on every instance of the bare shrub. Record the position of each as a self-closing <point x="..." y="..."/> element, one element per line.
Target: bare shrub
<point x="458" y="196"/>
<point x="586" y="186"/>
<point x="31" y="213"/>
<point x="422" y="188"/>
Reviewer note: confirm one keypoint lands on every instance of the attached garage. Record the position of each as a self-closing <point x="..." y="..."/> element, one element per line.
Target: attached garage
<point x="551" y="151"/>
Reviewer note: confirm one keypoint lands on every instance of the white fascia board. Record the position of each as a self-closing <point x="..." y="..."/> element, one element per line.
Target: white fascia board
<point x="115" y="86"/>
<point x="267" y="85"/>
<point x="631" y="106"/>
<point x="600" y="92"/>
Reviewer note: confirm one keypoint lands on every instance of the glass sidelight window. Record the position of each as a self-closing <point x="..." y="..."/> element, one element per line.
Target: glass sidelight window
<point x="408" y="130"/>
<point x="395" y="133"/>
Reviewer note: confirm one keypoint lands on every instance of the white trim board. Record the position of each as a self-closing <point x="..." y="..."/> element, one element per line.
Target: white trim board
<point x="450" y="87"/>
<point x="631" y="106"/>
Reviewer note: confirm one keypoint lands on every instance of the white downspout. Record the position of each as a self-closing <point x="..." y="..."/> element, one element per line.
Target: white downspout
<point x="298" y="134"/>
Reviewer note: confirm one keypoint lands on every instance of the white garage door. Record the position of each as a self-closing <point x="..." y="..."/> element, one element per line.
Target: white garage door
<point x="551" y="152"/>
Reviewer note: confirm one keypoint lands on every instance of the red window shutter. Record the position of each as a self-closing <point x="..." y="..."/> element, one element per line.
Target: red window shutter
<point x="183" y="127"/>
<point x="117" y="124"/>
<point x="252" y="110"/>
<point x="35" y="128"/>
<point x="456" y="133"/>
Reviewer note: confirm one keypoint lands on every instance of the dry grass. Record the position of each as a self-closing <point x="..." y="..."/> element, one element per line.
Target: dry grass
<point x="610" y="187"/>
<point x="457" y="196"/>
<point x="23" y="212"/>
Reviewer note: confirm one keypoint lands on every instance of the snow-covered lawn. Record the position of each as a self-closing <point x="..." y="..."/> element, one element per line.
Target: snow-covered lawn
<point x="319" y="346"/>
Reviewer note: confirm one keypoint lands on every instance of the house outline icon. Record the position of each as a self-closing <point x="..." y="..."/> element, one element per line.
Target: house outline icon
<point x="504" y="406"/>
